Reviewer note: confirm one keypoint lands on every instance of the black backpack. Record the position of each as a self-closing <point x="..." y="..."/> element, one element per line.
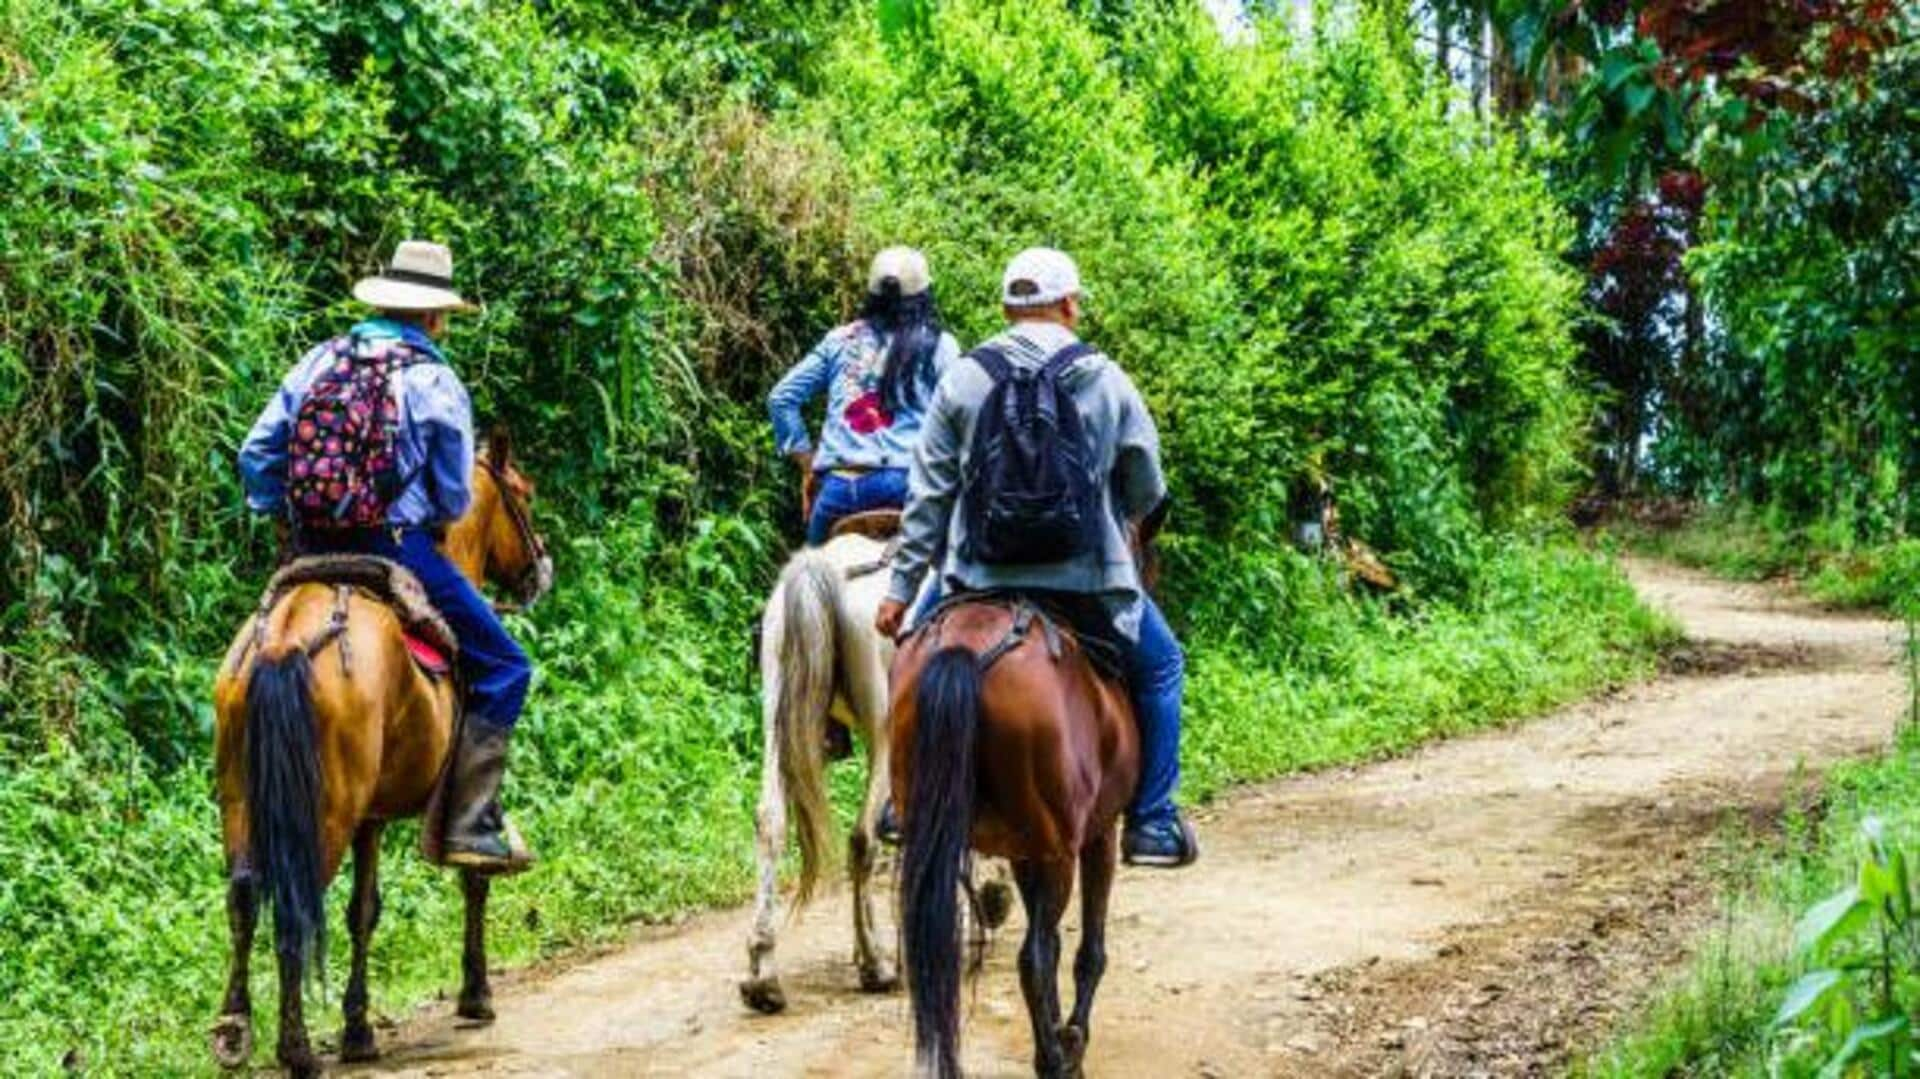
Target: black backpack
<point x="1031" y="497"/>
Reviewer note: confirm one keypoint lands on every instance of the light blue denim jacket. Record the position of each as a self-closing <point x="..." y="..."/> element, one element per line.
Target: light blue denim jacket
<point x="434" y="447"/>
<point x="858" y="433"/>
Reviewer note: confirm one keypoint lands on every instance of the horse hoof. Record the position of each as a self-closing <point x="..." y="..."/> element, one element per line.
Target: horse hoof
<point x="233" y="1041"/>
<point x="879" y="980"/>
<point x="357" y="1045"/>
<point x="300" y="1063"/>
<point x="996" y="903"/>
<point x="1073" y="1047"/>
<point x="764" y="995"/>
<point x="476" y="1008"/>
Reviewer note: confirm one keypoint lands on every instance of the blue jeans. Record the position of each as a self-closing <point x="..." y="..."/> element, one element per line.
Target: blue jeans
<point x="1156" y="668"/>
<point x="843" y="496"/>
<point x="493" y="666"/>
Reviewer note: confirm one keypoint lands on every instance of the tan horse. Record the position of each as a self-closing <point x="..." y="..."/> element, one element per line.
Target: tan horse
<point x="327" y="730"/>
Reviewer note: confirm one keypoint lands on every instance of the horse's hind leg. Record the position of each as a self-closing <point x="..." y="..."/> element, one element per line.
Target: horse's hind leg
<point x="1044" y="887"/>
<point x="363" y="915"/>
<point x="877" y="974"/>
<point x="1096" y="885"/>
<point x="476" y="996"/>
<point x="233" y="1034"/>
<point x="761" y="990"/>
<point x="294" y="1052"/>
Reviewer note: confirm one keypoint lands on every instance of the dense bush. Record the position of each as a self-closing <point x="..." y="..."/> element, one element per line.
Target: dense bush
<point x="1804" y="399"/>
<point x="1401" y="318"/>
<point x="1311" y="268"/>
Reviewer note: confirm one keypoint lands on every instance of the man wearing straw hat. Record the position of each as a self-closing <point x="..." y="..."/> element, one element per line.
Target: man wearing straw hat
<point x="409" y="481"/>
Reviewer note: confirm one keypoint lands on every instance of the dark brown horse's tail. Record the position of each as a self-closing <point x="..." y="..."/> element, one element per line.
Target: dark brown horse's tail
<point x="283" y="803"/>
<point x="933" y="856"/>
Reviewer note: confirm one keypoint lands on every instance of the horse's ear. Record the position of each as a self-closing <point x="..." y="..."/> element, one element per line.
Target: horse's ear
<point x="500" y="446"/>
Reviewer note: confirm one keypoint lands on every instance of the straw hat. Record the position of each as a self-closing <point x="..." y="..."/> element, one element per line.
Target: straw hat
<point x="420" y="278"/>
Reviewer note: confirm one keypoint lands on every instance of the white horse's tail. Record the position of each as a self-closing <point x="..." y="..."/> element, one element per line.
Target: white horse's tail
<point x="806" y="657"/>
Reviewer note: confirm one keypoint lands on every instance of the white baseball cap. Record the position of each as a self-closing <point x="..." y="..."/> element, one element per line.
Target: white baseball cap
<point x="1039" y="277"/>
<point x="902" y="265"/>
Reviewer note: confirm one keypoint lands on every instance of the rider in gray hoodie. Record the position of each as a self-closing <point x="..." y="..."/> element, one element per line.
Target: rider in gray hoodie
<point x="1041" y="297"/>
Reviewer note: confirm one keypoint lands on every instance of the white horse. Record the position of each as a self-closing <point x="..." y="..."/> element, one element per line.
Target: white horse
<point x="822" y="662"/>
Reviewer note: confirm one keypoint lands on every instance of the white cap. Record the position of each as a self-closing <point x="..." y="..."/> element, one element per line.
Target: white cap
<point x="902" y="265"/>
<point x="1039" y="277"/>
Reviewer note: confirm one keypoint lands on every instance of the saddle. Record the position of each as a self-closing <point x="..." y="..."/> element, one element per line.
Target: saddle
<point x="873" y="524"/>
<point x="430" y="641"/>
<point x="879" y="525"/>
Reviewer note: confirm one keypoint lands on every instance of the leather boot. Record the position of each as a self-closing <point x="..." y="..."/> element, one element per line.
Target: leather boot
<point x="479" y="836"/>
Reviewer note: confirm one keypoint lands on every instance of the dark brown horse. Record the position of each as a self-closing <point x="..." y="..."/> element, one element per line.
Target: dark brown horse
<point x="1007" y="742"/>
<point x="327" y="729"/>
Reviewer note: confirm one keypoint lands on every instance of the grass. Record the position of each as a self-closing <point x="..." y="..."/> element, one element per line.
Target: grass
<point x="1714" y="1017"/>
<point x="636" y="775"/>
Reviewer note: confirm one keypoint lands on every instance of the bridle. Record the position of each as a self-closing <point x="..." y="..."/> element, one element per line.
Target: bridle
<point x="533" y="581"/>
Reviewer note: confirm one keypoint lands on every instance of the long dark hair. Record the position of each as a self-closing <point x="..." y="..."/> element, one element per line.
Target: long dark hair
<point x="910" y="325"/>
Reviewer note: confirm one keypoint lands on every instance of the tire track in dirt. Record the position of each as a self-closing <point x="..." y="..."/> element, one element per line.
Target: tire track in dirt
<point x="1471" y="908"/>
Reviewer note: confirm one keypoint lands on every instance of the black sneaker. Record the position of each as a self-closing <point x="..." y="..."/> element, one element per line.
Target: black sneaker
<point x="1167" y="843"/>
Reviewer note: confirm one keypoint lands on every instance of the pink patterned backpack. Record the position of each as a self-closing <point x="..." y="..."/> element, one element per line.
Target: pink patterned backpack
<point x="342" y="471"/>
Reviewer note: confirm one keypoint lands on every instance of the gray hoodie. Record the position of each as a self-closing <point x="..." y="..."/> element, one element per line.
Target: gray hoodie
<point x="1126" y="450"/>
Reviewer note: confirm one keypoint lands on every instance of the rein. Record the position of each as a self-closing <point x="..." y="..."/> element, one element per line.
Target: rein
<point x="536" y="548"/>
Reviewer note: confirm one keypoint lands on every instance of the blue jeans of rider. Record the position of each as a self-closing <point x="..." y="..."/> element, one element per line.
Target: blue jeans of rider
<point x="496" y="670"/>
<point x="841" y="496"/>
<point x="1157" y="674"/>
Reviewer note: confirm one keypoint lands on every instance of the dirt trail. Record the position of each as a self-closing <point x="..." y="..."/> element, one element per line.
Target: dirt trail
<point x="1466" y="909"/>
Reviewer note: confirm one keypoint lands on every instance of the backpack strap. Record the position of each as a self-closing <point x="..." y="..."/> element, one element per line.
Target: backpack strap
<point x="993" y="362"/>
<point x="1065" y="358"/>
<point x="999" y="368"/>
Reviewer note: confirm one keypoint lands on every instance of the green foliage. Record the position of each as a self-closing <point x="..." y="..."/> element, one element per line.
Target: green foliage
<point x="1805" y="398"/>
<point x="1813" y="969"/>
<point x="1310" y="268"/>
<point x="1397" y="284"/>
<point x="1865" y="947"/>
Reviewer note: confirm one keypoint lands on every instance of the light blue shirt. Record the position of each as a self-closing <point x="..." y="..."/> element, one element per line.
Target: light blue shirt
<point x="859" y="432"/>
<point x="434" y="445"/>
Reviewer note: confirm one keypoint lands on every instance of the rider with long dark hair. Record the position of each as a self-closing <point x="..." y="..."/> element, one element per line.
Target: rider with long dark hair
<point x="878" y="373"/>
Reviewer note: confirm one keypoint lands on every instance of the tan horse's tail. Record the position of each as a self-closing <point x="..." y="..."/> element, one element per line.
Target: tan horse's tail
<point x="806" y="656"/>
<point x="283" y="803"/>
